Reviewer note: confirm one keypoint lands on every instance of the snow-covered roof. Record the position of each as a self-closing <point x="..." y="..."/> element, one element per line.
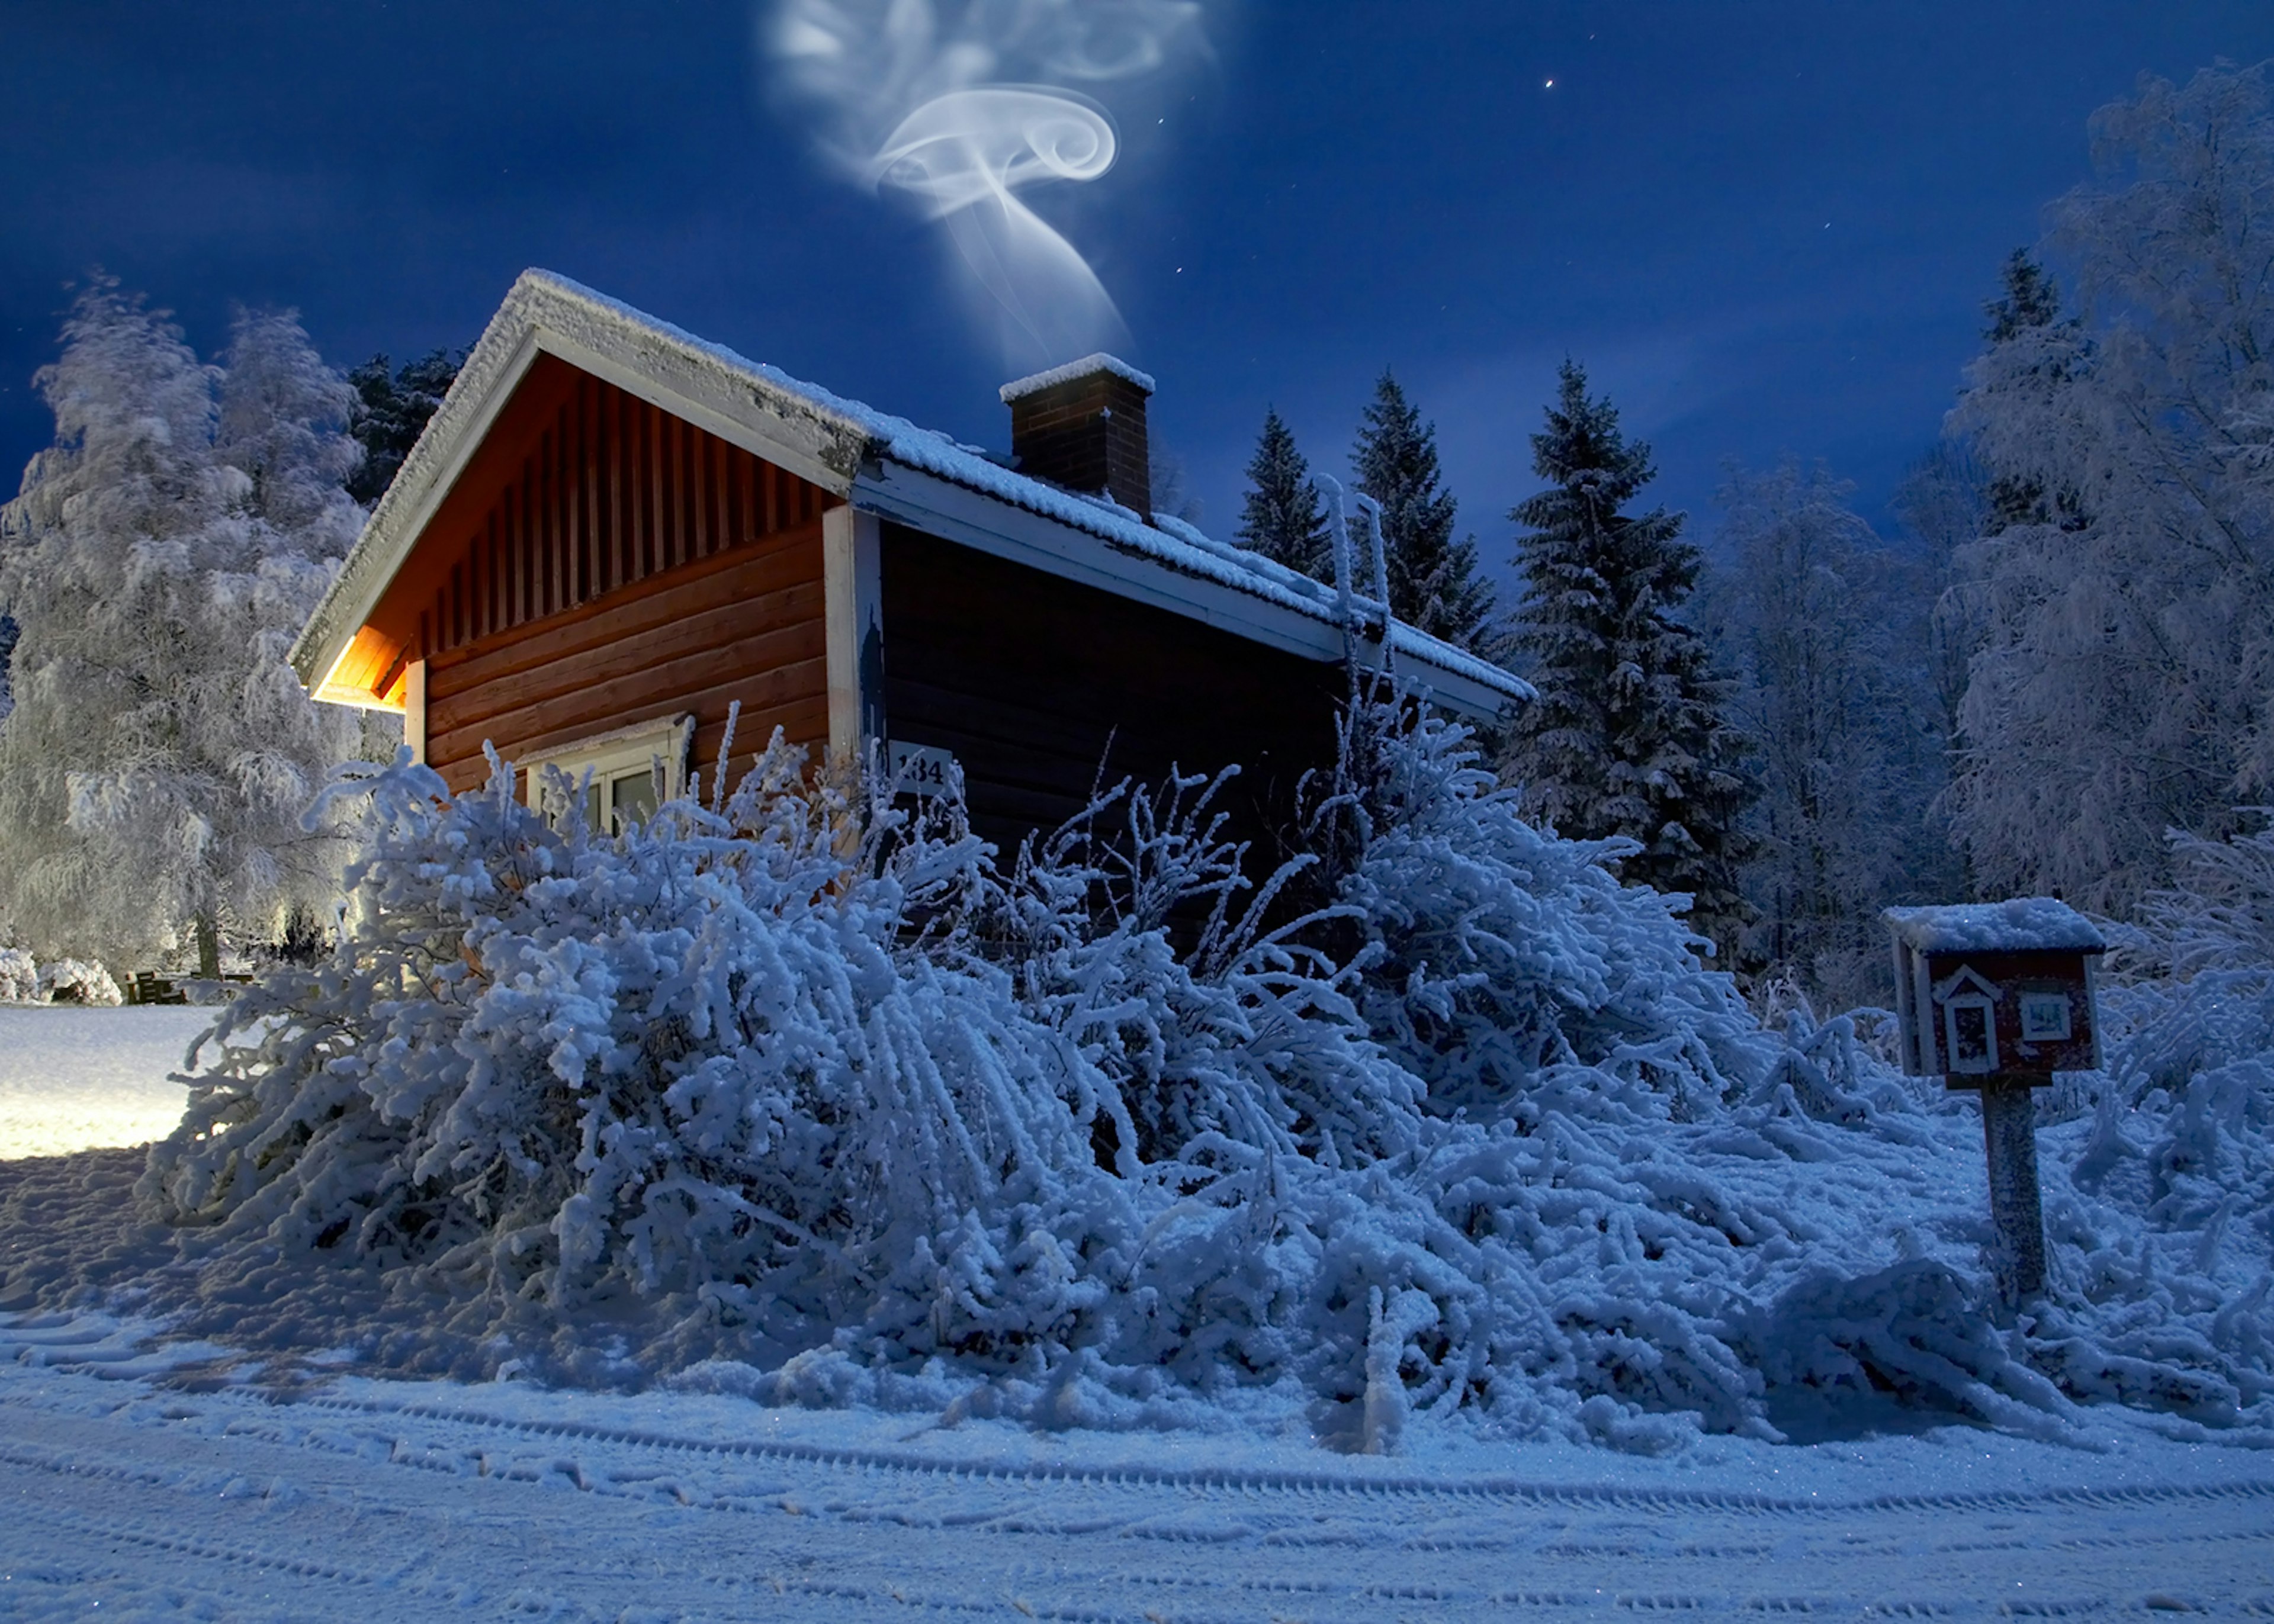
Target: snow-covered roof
<point x="1035" y="383"/>
<point x="876" y="461"/>
<point x="2024" y="925"/>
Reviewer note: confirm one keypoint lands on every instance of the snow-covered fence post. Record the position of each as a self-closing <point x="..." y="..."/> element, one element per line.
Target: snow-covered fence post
<point x="1997" y="996"/>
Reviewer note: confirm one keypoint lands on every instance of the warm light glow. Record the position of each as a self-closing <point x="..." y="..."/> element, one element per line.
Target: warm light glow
<point x="370" y="658"/>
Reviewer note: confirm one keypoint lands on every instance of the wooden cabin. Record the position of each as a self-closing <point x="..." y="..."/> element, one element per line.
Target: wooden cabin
<point x="612" y="530"/>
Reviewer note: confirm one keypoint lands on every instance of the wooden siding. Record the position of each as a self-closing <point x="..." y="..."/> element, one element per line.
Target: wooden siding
<point x="607" y="492"/>
<point x="745" y="624"/>
<point x="1027" y="677"/>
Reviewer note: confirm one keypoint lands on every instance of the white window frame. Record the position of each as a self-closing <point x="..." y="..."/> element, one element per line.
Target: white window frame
<point x="610" y="755"/>
<point x="1966" y="988"/>
<point x="1958" y="1062"/>
<point x="2038" y="1004"/>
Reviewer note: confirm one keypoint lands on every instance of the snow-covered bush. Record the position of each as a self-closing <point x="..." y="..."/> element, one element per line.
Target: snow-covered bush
<point x="1496" y="954"/>
<point x="72" y="980"/>
<point x="19" y="976"/>
<point x="2162" y="1212"/>
<point x="769" y="1098"/>
<point x="1239" y="1035"/>
<point x="686" y="1061"/>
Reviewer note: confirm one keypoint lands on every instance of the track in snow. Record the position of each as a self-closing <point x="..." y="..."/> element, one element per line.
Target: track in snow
<point x="165" y="1503"/>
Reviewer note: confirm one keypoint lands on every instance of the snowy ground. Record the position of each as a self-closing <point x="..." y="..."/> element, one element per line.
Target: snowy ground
<point x="158" y="1488"/>
<point x="145" y="1477"/>
<point x="74" y="1078"/>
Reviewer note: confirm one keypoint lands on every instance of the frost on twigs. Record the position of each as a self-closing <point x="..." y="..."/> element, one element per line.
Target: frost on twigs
<point x="1498" y="956"/>
<point x="1438" y="1124"/>
<point x="19" y="976"/>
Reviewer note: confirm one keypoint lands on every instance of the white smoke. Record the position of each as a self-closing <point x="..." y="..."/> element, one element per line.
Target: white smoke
<point x="957" y="106"/>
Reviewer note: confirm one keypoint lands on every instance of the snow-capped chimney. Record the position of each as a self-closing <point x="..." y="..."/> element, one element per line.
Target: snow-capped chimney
<point x="1082" y="426"/>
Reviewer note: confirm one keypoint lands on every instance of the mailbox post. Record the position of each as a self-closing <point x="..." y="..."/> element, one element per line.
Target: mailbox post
<point x="1997" y="996"/>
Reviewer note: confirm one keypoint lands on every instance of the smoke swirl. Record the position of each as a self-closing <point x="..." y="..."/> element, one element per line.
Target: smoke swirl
<point x="955" y="109"/>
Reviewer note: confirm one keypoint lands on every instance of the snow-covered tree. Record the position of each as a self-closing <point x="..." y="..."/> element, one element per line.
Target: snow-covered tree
<point x="1434" y="582"/>
<point x="390" y="411"/>
<point x="2028" y="301"/>
<point x="1629" y="734"/>
<point x="163" y="553"/>
<point x="1282" y="517"/>
<point x="1944" y="502"/>
<point x="1821" y="627"/>
<point x="2124" y="680"/>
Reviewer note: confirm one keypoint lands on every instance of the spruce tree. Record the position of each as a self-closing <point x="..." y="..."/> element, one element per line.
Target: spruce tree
<point x="2029" y="304"/>
<point x="1282" y="519"/>
<point x="2032" y="299"/>
<point x="1433" y="583"/>
<point x="1628" y="735"/>
<point x="390" y="411"/>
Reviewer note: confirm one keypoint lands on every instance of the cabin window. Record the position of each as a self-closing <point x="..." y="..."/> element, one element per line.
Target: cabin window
<point x="621" y="787"/>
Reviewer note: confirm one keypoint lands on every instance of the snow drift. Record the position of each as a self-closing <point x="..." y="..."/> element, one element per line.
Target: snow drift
<point x="770" y="1098"/>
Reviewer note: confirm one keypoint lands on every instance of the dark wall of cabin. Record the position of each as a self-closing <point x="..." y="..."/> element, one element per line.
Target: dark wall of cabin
<point x="745" y="624"/>
<point x="1025" y="677"/>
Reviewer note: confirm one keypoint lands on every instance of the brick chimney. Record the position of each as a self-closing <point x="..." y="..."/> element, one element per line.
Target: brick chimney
<point x="1082" y="426"/>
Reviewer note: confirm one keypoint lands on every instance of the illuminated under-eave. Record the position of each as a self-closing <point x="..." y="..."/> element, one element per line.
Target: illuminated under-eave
<point x="371" y="674"/>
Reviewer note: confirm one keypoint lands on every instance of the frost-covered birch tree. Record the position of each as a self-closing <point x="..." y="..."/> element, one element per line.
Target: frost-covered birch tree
<point x="1943" y="503"/>
<point x="161" y="557"/>
<point x="2124" y="681"/>
<point x="1822" y="628"/>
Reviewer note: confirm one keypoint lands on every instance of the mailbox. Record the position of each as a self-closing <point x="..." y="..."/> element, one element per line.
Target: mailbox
<point x="1997" y="997"/>
<point x="1997" y="989"/>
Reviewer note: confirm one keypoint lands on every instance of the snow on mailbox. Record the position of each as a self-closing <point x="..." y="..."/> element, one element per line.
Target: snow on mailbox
<point x="1997" y="989"/>
<point x="1997" y="997"/>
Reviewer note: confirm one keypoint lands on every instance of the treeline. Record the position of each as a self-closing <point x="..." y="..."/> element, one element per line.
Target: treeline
<point x="2064" y="655"/>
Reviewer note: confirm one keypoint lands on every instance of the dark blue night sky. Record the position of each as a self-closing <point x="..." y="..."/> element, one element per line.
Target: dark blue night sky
<point x="1764" y="228"/>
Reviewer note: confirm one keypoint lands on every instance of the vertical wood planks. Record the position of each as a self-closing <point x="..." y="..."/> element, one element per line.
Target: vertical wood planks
<point x="613" y="490"/>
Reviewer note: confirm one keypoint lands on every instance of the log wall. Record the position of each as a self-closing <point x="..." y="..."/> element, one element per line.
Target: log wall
<point x="625" y="565"/>
<point x="1033" y="682"/>
<point x="742" y="624"/>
